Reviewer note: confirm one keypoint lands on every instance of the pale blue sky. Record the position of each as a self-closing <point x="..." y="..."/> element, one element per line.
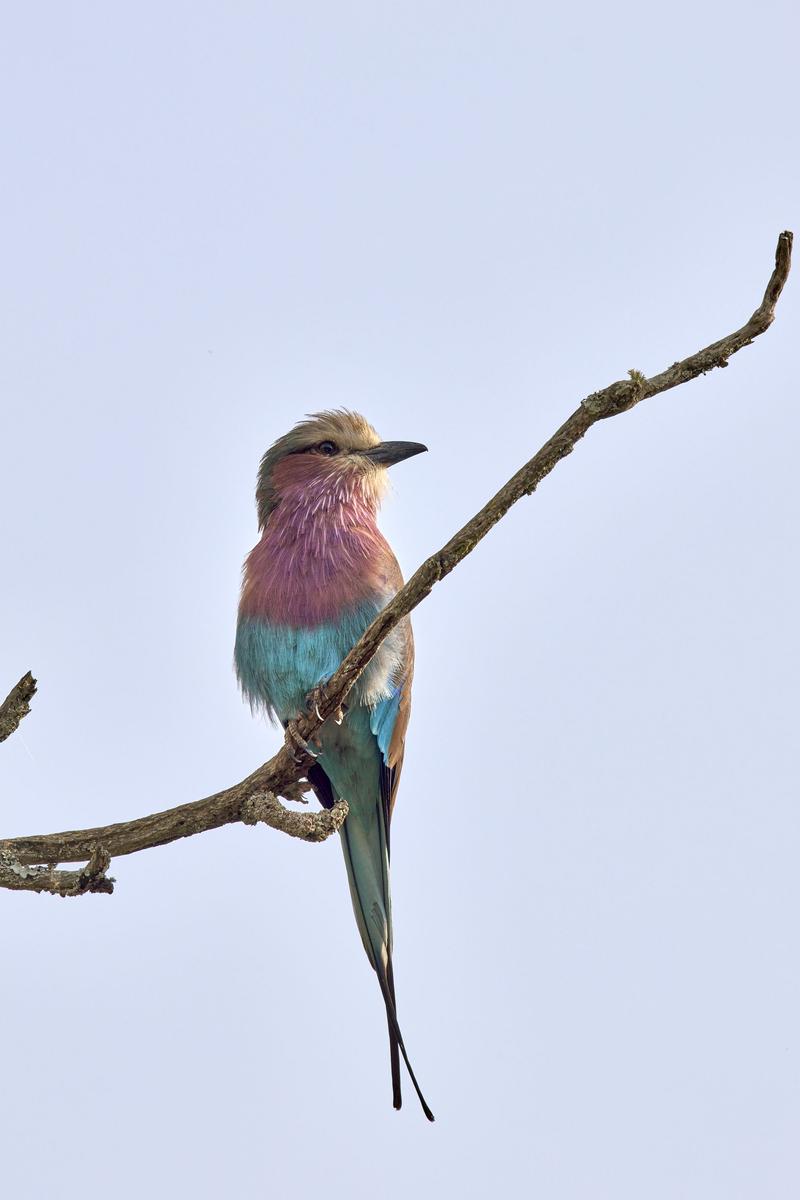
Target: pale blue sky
<point x="458" y="219"/>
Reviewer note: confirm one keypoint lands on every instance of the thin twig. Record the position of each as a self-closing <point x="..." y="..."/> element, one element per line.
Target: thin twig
<point x="255" y="797"/>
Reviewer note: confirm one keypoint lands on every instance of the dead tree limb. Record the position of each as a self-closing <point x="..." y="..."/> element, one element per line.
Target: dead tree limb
<point x="255" y="798"/>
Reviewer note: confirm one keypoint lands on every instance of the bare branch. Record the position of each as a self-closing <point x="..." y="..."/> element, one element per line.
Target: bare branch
<point x="254" y="799"/>
<point x="616" y="398"/>
<point x="16" y="705"/>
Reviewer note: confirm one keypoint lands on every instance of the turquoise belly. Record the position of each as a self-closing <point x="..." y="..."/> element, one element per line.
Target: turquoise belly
<point x="278" y="665"/>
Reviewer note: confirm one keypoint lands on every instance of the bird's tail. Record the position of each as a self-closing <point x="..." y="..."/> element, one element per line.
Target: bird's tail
<point x="366" y="857"/>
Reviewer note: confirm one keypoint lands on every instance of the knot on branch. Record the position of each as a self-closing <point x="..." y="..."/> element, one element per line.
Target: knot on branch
<point x="616" y="398"/>
<point x="266" y="809"/>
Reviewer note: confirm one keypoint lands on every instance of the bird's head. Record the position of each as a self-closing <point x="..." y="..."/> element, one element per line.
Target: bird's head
<point x="331" y="453"/>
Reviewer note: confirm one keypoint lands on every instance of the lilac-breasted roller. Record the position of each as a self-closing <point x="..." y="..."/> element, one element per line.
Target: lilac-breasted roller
<point x="319" y="574"/>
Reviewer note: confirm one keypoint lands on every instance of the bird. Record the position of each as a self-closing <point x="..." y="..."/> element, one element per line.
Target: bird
<point x="318" y="575"/>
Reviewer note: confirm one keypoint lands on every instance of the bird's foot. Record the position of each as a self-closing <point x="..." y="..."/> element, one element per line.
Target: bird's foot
<point x="300" y="743"/>
<point x="311" y="748"/>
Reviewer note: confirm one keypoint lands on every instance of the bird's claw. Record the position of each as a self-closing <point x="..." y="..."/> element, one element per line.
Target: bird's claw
<point x="300" y="743"/>
<point x="313" y="700"/>
<point x="306" y="747"/>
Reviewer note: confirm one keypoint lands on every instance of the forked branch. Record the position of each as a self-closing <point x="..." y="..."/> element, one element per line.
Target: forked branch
<point x="255" y="798"/>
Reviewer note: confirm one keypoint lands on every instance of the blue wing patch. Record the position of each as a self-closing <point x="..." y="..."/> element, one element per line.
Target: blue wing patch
<point x="382" y="719"/>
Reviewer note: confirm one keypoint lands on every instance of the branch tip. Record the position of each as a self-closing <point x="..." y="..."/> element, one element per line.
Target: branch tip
<point x="16" y="705"/>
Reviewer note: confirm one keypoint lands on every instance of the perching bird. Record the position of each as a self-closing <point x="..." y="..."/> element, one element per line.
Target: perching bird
<point x="320" y="573"/>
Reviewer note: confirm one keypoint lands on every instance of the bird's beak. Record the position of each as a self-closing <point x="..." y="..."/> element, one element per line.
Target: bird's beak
<point x="386" y="454"/>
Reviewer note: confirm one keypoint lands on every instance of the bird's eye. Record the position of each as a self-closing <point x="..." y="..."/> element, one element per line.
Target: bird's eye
<point x="328" y="448"/>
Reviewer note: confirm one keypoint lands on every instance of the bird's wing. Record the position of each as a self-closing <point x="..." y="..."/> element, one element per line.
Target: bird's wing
<point x="389" y="721"/>
<point x="390" y="717"/>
